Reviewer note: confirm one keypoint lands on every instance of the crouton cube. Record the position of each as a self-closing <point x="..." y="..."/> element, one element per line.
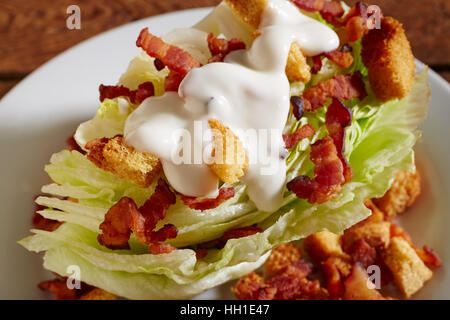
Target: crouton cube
<point x="408" y="270"/>
<point x="250" y="12"/>
<point x="389" y="59"/>
<point x="98" y="294"/>
<point x="281" y="257"/>
<point x="230" y="159"/>
<point x="375" y="234"/>
<point x="404" y="191"/>
<point x="111" y="154"/>
<point x="297" y="68"/>
<point x="322" y="245"/>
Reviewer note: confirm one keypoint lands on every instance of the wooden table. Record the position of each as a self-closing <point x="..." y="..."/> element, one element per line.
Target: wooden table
<point x="32" y="32"/>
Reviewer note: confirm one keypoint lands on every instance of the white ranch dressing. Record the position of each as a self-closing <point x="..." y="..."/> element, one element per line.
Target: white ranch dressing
<point x="248" y="91"/>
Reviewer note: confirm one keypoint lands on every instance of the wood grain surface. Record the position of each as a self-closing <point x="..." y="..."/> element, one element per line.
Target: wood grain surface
<point x="32" y="32"/>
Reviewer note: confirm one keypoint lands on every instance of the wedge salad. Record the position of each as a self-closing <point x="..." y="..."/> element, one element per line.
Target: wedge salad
<point x="266" y="122"/>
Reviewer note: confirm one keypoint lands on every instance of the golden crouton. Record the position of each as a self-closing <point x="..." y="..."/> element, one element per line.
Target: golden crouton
<point x="297" y="68"/>
<point x="322" y="245"/>
<point x="112" y="155"/>
<point x="408" y="270"/>
<point x="387" y="54"/>
<point x="230" y="159"/>
<point x="402" y="194"/>
<point x="375" y="234"/>
<point x="98" y="294"/>
<point x="250" y="11"/>
<point x="281" y="257"/>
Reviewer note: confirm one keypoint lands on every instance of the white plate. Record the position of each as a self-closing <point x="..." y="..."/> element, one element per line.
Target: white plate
<point x="39" y="114"/>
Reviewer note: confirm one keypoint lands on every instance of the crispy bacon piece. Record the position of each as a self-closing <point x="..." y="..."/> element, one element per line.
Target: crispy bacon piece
<point x="363" y="253"/>
<point x="337" y="118"/>
<point x="317" y="64"/>
<point x="201" y="253"/>
<point x="342" y="59"/>
<point x="41" y="223"/>
<point x="290" y="287"/>
<point x="330" y="10"/>
<point x="161" y="248"/>
<point x="152" y="211"/>
<point x="342" y="87"/>
<point x="427" y="255"/>
<point x="207" y="204"/>
<point x="61" y="291"/>
<point x="355" y="24"/>
<point x="328" y="174"/>
<point x="219" y="48"/>
<point x="173" y="80"/>
<point x="239" y="233"/>
<point x="144" y="91"/>
<point x="292" y="139"/>
<point x="124" y="217"/>
<point x="356" y="286"/>
<point x="168" y="231"/>
<point x="174" y="58"/>
<point x="116" y="226"/>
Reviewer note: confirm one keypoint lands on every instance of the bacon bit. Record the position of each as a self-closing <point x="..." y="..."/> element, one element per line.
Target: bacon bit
<point x="297" y="107"/>
<point x="124" y="217"/>
<point x="291" y="287"/>
<point x="154" y="210"/>
<point x="328" y="174"/>
<point x="338" y="117"/>
<point x="363" y="253"/>
<point x="116" y="226"/>
<point x="73" y="145"/>
<point x="356" y="286"/>
<point x="161" y="248"/>
<point x="201" y="253"/>
<point x="330" y="10"/>
<point x="168" y="231"/>
<point x="159" y="65"/>
<point x="174" y="58"/>
<point x="59" y="288"/>
<point x="429" y="257"/>
<point x="207" y="204"/>
<point x="173" y="80"/>
<point x="239" y="233"/>
<point x="342" y="87"/>
<point x="354" y="25"/>
<point x="292" y="139"/>
<point x="342" y="59"/>
<point x="219" y="48"/>
<point x="41" y="223"/>
<point x="317" y="64"/>
<point x="144" y="91"/>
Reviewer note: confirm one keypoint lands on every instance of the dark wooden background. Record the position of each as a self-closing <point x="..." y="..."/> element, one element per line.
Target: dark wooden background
<point x="32" y="31"/>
